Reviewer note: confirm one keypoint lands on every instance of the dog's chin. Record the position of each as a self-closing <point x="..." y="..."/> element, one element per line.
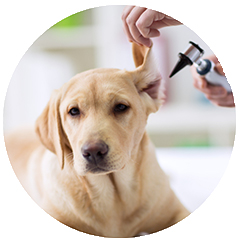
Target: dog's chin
<point x="99" y="171"/>
<point x="95" y="170"/>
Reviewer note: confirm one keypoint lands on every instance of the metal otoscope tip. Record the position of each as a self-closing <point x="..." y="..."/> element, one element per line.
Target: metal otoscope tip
<point x="188" y="57"/>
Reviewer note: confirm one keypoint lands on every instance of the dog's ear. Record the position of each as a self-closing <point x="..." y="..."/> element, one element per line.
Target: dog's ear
<point x="147" y="78"/>
<point x="49" y="128"/>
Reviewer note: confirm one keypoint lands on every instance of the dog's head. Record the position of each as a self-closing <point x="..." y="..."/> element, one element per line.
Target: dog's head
<point x="97" y="120"/>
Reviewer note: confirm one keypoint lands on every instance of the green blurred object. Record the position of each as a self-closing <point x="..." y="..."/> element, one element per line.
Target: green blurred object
<point x="74" y="20"/>
<point x="192" y="143"/>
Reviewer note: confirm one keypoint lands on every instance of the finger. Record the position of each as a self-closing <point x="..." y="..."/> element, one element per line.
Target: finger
<point x="152" y="33"/>
<point x="218" y="66"/>
<point x="219" y="69"/>
<point x="213" y="58"/>
<point x="227" y="101"/>
<point x="134" y="31"/>
<point x="143" y="41"/>
<point x="165" y="23"/>
<point x="215" y="92"/>
<point x="125" y="14"/>
<point x="212" y="90"/>
<point x="199" y="83"/>
<point x="146" y="20"/>
<point x="131" y="22"/>
<point x="151" y="19"/>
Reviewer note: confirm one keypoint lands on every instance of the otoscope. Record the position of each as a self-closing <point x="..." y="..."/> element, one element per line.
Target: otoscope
<point x="204" y="67"/>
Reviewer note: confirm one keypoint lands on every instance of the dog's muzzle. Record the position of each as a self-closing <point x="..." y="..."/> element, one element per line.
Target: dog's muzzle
<point x="95" y="153"/>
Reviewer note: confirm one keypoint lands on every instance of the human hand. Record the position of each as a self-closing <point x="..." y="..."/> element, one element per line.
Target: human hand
<point x="216" y="94"/>
<point x="141" y="24"/>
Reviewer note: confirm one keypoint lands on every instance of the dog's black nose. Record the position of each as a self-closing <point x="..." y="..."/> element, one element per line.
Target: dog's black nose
<point x="94" y="151"/>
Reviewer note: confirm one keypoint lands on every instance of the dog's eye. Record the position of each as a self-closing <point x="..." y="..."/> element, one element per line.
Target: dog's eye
<point x="120" y="108"/>
<point x="74" y="111"/>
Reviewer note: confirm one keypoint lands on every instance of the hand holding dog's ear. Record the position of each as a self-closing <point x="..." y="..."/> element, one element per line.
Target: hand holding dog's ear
<point x="141" y="24"/>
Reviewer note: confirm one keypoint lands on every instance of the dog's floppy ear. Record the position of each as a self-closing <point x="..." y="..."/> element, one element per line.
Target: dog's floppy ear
<point x="49" y="128"/>
<point x="147" y="78"/>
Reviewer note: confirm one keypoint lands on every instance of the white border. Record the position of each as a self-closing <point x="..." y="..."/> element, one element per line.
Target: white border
<point x="22" y="22"/>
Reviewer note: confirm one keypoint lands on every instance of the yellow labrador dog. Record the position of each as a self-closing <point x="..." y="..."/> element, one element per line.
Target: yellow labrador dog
<point x="94" y="168"/>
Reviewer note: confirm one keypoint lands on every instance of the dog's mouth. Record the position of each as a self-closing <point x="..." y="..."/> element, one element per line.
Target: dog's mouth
<point x="102" y="167"/>
<point x="97" y="170"/>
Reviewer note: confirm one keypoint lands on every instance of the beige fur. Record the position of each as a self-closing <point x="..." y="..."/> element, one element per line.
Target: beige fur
<point x="127" y="193"/>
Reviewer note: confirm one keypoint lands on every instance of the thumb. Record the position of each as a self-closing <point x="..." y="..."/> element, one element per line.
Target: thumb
<point x="219" y="69"/>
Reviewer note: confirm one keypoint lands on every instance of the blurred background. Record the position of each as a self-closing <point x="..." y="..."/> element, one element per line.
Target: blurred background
<point x="194" y="138"/>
